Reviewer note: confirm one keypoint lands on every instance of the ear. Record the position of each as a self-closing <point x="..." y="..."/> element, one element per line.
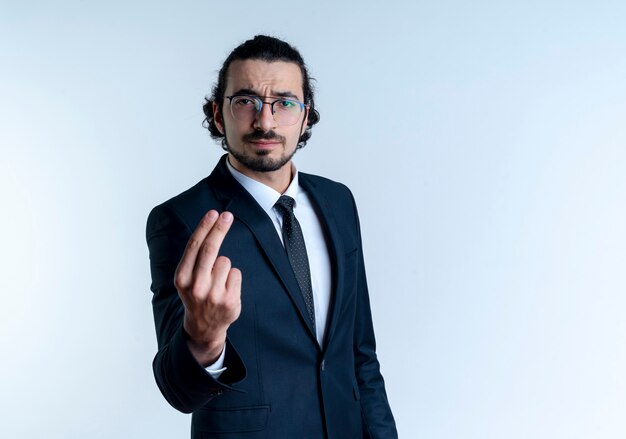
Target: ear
<point x="217" y="117"/>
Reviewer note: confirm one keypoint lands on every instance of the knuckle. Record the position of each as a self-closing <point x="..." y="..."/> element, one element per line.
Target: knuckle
<point x="195" y="292"/>
<point x="209" y="247"/>
<point x="198" y="291"/>
<point x="214" y="298"/>
<point x="180" y="282"/>
<point x="193" y="244"/>
<point x="222" y="227"/>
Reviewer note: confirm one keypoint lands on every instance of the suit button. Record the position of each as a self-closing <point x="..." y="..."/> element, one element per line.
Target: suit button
<point x="323" y="365"/>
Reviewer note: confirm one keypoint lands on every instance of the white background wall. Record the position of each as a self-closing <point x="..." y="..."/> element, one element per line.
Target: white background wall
<point x="485" y="143"/>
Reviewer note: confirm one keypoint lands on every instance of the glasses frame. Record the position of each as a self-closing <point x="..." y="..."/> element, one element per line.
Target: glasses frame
<point x="260" y="103"/>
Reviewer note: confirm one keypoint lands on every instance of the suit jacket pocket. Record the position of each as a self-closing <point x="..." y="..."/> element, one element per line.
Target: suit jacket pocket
<point x="243" y="419"/>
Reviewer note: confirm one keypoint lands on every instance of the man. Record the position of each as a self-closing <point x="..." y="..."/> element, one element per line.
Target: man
<point x="283" y="345"/>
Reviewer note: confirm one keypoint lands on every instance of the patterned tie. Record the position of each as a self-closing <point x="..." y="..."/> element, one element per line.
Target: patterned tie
<point x="296" y="251"/>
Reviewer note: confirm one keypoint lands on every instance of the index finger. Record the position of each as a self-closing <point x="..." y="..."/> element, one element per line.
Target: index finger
<point x="188" y="260"/>
<point x="210" y="247"/>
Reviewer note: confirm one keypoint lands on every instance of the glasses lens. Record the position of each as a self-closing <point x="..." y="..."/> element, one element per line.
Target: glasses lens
<point x="287" y="111"/>
<point x="244" y="108"/>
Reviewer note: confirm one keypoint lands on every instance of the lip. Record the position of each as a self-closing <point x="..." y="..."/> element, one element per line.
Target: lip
<point x="264" y="144"/>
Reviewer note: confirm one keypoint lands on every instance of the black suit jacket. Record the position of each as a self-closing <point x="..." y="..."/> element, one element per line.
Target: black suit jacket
<point x="279" y="383"/>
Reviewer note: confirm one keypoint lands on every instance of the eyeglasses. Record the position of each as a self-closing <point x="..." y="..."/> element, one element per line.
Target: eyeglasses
<point x="245" y="108"/>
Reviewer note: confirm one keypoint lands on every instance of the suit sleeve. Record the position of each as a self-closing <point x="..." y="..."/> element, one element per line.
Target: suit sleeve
<point x="184" y="383"/>
<point x="378" y="421"/>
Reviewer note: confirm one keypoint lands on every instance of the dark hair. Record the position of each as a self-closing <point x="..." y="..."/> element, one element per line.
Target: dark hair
<point x="268" y="49"/>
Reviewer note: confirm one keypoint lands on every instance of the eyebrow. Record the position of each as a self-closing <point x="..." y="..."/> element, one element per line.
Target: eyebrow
<point x="278" y="94"/>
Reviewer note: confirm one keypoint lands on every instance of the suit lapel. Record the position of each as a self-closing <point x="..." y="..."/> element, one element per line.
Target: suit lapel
<point x="244" y="207"/>
<point x="325" y="211"/>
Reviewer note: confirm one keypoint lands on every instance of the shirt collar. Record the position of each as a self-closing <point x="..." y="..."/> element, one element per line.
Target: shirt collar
<point x="263" y="194"/>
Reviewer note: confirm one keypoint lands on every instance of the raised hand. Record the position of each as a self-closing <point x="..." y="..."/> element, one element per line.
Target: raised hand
<point x="209" y="288"/>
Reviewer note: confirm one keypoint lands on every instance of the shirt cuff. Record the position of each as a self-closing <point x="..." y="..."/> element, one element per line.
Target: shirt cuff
<point x="217" y="368"/>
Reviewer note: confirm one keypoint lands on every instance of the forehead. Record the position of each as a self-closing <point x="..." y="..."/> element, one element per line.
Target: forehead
<point x="264" y="78"/>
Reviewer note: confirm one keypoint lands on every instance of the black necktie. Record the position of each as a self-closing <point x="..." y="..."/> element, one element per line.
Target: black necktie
<point x="296" y="251"/>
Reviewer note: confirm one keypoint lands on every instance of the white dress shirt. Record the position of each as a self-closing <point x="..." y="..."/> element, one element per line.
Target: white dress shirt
<point x="316" y="247"/>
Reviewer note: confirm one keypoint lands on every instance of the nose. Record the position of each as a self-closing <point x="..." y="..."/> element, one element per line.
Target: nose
<point x="264" y="119"/>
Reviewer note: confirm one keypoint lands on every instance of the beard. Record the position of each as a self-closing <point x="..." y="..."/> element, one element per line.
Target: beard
<point x="260" y="161"/>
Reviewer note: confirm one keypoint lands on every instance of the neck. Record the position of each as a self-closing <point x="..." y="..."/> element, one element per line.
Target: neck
<point x="278" y="180"/>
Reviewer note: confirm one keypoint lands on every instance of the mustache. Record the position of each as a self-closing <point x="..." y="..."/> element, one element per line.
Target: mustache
<point x="263" y="135"/>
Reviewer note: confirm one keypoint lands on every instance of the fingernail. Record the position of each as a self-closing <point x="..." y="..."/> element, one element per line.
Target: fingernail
<point x="227" y="217"/>
<point x="212" y="215"/>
